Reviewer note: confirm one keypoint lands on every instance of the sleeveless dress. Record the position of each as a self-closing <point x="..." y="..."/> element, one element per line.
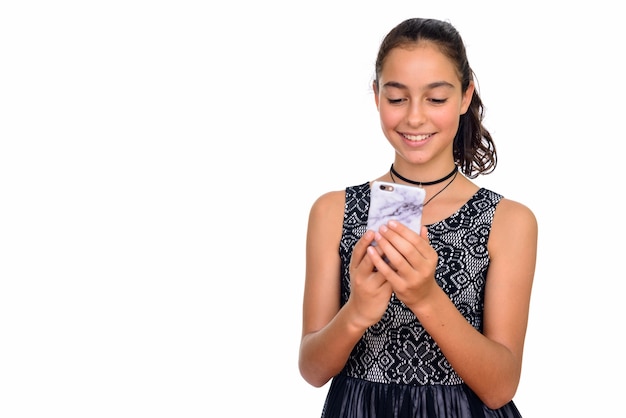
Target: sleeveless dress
<point x="396" y="369"/>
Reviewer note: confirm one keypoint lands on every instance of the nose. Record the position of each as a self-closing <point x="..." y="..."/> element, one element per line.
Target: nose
<point x="415" y="114"/>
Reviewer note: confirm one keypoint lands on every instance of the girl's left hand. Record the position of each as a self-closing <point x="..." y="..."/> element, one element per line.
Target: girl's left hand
<point x="412" y="261"/>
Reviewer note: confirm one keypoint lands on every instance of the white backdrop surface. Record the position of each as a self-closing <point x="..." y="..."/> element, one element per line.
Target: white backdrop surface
<point x="158" y="161"/>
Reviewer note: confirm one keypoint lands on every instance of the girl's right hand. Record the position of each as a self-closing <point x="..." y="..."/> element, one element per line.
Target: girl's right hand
<point x="370" y="292"/>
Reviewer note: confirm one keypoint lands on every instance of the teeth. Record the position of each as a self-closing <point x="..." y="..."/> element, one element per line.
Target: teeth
<point x="416" y="137"/>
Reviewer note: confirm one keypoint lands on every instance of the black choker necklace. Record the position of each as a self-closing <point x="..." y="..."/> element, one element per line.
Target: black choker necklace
<point x="423" y="183"/>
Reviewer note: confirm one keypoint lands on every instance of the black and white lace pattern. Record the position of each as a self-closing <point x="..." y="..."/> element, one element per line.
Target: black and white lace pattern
<point x="398" y="349"/>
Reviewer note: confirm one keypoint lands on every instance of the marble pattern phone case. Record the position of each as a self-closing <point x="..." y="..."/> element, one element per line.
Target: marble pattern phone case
<point x="400" y="202"/>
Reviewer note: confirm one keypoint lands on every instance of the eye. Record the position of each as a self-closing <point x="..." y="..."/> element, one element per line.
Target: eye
<point x="438" y="101"/>
<point x="395" y="101"/>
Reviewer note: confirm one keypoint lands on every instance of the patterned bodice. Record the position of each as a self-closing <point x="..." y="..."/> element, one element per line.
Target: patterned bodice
<point x="397" y="349"/>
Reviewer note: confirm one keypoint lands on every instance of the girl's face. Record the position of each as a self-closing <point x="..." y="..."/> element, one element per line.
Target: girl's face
<point x="420" y="102"/>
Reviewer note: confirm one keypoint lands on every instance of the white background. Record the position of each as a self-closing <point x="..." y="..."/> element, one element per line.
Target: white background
<point x="158" y="161"/>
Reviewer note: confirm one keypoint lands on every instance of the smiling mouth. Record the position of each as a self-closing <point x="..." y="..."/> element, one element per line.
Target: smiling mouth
<point x="416" y="137"/>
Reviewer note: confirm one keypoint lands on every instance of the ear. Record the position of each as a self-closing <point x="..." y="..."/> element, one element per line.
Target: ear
<point x="467" y="97"/>
<point x="376" y="98"/>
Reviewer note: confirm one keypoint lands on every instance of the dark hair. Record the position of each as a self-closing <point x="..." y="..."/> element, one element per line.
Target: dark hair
<point x="474" y="150"/>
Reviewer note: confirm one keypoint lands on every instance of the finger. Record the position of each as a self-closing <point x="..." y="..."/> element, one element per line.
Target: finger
<point x="420" y="242"/>
<point x="404" y="231"/>
<point x="379" y="262"/>
<point x="390" y="253"/>
<point x="358" y="258"/>
<point x="424" y="235"/>
<point x="404" y="249"/>
<point x="361" y="245"/>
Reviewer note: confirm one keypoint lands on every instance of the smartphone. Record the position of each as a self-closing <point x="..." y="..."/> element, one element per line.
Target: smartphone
<point x="399" y="202"/>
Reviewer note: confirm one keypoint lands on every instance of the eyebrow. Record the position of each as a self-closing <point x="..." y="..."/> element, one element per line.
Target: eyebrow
<point x="430" y="86"/>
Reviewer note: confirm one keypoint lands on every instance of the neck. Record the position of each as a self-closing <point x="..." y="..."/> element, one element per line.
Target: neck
<point x="420" y="183"/>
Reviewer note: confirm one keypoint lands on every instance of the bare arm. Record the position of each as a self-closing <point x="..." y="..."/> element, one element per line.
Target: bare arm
<point x="490" y="363"/>
<point x="330" y="332"/>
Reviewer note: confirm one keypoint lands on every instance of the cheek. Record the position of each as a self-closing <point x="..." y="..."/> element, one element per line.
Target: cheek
<point x="389" y="117"/>
<point x="446" y="119"/>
